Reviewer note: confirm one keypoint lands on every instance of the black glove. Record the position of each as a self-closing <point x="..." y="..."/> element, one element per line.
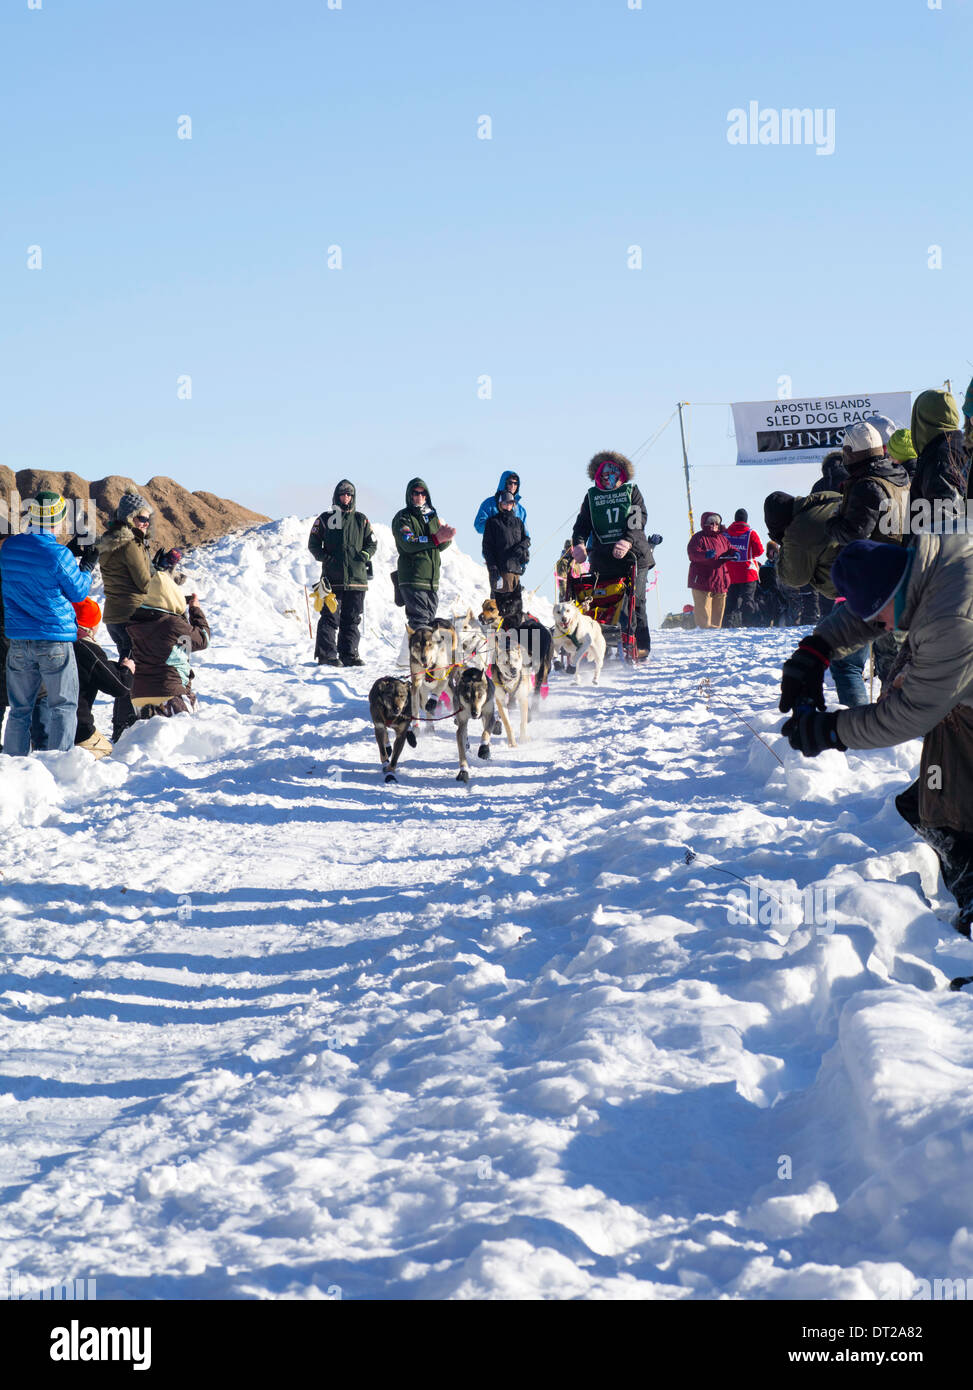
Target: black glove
<point x="802" y="677"/>
<point x="88" y="557"/>
<point x="812" y="733"/>
<point x="655" y="538"/>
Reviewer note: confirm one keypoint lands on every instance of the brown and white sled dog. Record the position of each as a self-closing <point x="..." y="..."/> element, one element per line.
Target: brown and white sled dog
<point x="390" y="706"/>
<point x="534" y="639"/>
<point x="474" y="697"/>
<point x="510" y="680"/>
<point x="578" y="636"/>
<point x="434" y="653"/>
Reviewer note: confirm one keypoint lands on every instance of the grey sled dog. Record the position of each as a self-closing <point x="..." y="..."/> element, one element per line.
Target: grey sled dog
<point x="390" y="706"/>
<point x="474" y="697"/>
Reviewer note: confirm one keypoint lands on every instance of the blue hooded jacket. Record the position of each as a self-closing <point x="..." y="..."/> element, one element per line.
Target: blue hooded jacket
<point x="41" y="580"/>
<point x="488" y="507"/>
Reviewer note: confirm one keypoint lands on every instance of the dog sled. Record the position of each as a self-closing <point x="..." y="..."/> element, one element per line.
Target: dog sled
<point x="611" y="603"/>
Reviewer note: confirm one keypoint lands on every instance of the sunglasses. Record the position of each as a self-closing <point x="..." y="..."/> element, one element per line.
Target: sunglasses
<point x="142" y="520"/>
<point x="419" y="492"/>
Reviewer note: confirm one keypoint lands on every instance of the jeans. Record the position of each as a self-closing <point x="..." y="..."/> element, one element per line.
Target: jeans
<point x="29" y="666"/>
<point x="847" y="674"/>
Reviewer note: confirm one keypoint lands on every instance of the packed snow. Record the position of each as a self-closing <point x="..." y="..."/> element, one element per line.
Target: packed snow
<point x="273" y="1029"/>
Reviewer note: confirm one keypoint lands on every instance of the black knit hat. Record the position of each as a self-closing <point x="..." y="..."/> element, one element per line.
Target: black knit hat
<point x="868" y="574"/>
<point x="510" y="497"/>
<point x="741" y="514"/>
<point x="778" y="514"/>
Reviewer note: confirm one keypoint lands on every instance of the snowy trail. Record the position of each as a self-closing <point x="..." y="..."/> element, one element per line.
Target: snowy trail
<point x="271" y="1028"/>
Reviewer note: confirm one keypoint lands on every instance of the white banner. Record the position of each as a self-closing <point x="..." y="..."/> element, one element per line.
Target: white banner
<point x="803" y="431"/>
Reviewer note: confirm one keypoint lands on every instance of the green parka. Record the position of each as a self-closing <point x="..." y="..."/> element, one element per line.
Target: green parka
<point x="344" y="542"/>
<point x="125" y="571"/>
<point x="419" y="561"/>
<point x="807" y="552"/>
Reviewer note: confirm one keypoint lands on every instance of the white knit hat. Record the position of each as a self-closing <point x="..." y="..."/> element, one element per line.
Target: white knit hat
<point x="863" y="439"/>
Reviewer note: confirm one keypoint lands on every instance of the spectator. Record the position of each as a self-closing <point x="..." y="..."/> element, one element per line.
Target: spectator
<point x="924" y="590"/>
<point x="509" y="482"/>
<point x="3" y="668"/>
<point x="165" y="630"/>
<point x="885" y="426"/>
<point x="710" y="554"/>
<point x="740" y="598"/>
<point x="771" y="604"/>
<point x="96" y="672"/>
<point x="123" y="551"/>
<point x="420" y="537"/>
<point x="834" y="473"/>
<point x="875" y="497"/>
<point x="343" y="541"/>
<point x="901" y="449"/>
<point x="800" y="525"/>
<point x="942" y="465"/>
<point x="41" y="580"/>
<point x="506" y="551"/>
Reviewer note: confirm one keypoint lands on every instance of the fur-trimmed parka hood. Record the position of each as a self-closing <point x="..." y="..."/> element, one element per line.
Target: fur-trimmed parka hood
<point x="610" y="456"/>
<point x="117" y="534"/>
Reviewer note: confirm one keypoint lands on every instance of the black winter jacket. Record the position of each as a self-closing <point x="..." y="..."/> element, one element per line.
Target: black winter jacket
<point x="864" y="500"/>
<point x="344" y="543"/>
<point x="602" y="560"/>
<point x="506" y="544"/>
<point x="941" y="469"/>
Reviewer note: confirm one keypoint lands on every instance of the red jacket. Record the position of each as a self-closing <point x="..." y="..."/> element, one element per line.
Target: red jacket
<point x="744" y="571"/>
<point x="706" y="571"/>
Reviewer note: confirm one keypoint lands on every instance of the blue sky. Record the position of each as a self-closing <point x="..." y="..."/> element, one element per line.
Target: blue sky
<point x="461" y="257"/>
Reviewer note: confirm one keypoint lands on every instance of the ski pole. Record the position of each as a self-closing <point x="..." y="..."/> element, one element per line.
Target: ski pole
<point x="307" y="605"/>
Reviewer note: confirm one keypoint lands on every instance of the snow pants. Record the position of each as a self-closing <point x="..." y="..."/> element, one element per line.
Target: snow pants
<point x="740" y="610"/>
<point x="339" y="633"/>
<point x="123" y="711"/>
<point x="421" y="606"/>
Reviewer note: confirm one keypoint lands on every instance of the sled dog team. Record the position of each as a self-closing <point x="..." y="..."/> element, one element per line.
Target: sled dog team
<point x="480" y="671"/>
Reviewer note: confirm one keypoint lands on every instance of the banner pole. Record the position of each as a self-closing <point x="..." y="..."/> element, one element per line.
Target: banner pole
<point x="685" y="464"/>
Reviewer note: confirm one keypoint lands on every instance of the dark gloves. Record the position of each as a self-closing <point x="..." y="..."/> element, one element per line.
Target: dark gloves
<point x="87" y="557"/>
<point x="655" y="538"/>
<point x="802" y="677"/>
<point x="812" y="733"/>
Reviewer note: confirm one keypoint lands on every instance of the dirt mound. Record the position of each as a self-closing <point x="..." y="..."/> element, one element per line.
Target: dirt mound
<point x="180" y="517"/>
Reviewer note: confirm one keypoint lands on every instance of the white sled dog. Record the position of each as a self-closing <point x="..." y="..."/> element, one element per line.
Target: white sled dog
<point x="578" y="636"/>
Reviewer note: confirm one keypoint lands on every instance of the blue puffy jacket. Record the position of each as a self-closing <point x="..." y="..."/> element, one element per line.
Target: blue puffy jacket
<point x="488" y="507"/>
<point x="41" y="580"/>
